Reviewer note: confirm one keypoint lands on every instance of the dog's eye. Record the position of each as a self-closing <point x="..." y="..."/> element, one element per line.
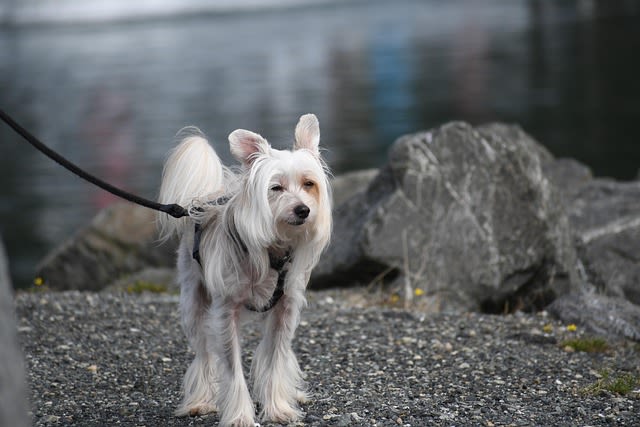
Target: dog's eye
<point x="309" y="184"/>
<point x="278" y="188"/>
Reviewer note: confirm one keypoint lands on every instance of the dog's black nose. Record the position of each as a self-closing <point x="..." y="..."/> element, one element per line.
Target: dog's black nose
<point x="302" y="211"/>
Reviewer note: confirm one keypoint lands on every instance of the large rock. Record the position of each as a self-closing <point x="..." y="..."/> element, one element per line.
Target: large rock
<point x="119" y="241"/>
<point x="605" y="218"/>
<point x="13" y="389"/>
<point x="605" y="215"/>
<point x="465" y="214"/>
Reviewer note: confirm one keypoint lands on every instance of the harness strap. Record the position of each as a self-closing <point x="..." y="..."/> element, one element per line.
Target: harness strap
<point x="278" y="264"/>
<point x="197" y="235"/>
<point x="277" y="294"/>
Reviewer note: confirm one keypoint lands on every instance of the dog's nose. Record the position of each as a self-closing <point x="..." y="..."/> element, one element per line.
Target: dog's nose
<point x="302" y="211"/>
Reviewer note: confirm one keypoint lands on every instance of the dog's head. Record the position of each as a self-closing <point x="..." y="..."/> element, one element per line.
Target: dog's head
<point x="285" y="194"/>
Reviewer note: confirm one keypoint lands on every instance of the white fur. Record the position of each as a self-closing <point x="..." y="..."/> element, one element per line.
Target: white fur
<point x="264" y="213"/>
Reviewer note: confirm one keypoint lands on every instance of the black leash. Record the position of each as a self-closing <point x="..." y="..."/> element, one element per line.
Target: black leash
<point x="173" y="209"/>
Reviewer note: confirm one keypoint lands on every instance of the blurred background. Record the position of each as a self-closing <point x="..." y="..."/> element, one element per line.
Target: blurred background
<point x="108" y="84"/>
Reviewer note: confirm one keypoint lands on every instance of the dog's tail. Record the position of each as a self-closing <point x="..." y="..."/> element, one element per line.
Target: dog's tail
<point x="193" y="172"/>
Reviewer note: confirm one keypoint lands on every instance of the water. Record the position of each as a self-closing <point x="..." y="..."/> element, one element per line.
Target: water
<point x="110" y="97"/>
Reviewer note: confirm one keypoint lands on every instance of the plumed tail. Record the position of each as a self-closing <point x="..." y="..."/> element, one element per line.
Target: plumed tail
<point x="191" y="173"/>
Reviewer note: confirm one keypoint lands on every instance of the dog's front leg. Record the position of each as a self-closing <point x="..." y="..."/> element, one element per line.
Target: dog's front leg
<point x="276" y="375"/>
<point x="233" y="399"/>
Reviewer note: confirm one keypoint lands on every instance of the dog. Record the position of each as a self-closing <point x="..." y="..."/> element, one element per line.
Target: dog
<point x="249" y="244"/>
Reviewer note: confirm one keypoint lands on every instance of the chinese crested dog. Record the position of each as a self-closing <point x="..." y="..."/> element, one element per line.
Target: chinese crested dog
<point x="249" y="245"/>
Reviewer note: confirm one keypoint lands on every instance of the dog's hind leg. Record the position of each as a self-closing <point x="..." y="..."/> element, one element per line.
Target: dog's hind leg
<point x="277" y="378"/>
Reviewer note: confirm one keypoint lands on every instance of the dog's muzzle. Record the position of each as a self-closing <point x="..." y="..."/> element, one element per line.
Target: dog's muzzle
<point x="301" y="213"/>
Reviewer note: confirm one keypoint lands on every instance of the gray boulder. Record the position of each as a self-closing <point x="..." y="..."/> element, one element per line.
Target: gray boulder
<point x="13" y="390"/>
<point x="119" y="241"/>
<point x="605" y="215"/>
<point x="599" y="314"/>
<point x="605" y="218"/>
<point x="466" y="215"/>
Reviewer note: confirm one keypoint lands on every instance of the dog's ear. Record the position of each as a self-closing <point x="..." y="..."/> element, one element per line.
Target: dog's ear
<point x="308" y="134"/>
<point x="245" y="145"/>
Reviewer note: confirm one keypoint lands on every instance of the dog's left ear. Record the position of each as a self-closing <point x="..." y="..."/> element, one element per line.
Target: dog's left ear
<point x="246" y="145"/>
<point x="308" y="134"/>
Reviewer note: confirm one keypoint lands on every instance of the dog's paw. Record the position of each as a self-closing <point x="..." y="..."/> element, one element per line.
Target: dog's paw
<point x="196" y="409"/>
<point x="203" y="409"/>
<point x="283" y="414"/>
<point x="302" y="396"/>
<point x="240" y="421"/>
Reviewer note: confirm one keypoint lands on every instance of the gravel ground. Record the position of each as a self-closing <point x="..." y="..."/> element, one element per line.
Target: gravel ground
<point x="118" y="359"/>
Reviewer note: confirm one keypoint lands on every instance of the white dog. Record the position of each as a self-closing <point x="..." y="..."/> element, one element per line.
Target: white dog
<point x="249" y="245"/>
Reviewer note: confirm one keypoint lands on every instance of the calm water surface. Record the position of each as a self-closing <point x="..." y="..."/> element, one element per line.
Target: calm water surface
<point x="110" y="97"/>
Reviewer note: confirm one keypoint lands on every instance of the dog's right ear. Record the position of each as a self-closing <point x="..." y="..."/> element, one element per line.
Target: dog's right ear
<point x="246" y="145"/>
<point x="308" y="134"/>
